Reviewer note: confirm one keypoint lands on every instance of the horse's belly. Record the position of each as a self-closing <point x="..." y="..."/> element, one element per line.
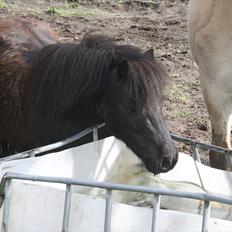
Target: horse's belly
<point x="210" y="31"/>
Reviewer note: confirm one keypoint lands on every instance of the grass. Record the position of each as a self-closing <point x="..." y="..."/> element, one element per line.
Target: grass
<point x="176" y="94"/>
<point x="183" y="114"/>
<point x="181" y="99"/>
<point x="2" y="4"/>
<point x="175" y="87"/>
<point x="69" y="10"/>
<point x="64" y="9"/>
<point x="54" y="10"/>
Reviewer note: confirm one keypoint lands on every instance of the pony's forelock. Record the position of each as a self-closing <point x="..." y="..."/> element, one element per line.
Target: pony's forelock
<point x="150" y="79"/>
<point x="146" y="74"/>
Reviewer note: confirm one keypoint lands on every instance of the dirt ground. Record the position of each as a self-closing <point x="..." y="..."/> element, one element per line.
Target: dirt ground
<point x="157" y="24"/>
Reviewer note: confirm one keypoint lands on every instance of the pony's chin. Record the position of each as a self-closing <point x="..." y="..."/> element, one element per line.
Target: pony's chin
<point x="152" y="170"/>
<point x="158" y="171"/>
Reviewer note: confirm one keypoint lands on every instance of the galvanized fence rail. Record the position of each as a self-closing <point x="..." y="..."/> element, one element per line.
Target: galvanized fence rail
<point x="207" y="198"/>
<point x="194" y="145"/>
<point x="53" y="146"/>
<point x="109" y="187"/>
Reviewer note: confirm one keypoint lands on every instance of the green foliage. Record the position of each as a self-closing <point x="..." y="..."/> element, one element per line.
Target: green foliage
<point x="175" y="87"/>
<point x="177" y="95"/>
<point x="53" y="10"/>
<point x="183" y="114"/>
<point x="2" y="4"/>
<point x="69" y="10"/>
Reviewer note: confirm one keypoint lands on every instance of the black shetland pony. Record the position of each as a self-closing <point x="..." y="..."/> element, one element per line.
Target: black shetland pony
<point x="51" y="90"/>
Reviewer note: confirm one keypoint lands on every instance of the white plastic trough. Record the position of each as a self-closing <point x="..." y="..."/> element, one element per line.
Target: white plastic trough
<point x="38" y="206"/>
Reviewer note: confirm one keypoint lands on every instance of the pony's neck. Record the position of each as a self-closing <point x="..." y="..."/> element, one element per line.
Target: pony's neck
<point x="61" y="87"/>
<point x="85" y="113"/>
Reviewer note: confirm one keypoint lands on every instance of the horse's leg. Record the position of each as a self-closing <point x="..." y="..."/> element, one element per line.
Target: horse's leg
<point x="220" y="111"/>
<point x="221" y="129"/>
<point x="209" y="26"/>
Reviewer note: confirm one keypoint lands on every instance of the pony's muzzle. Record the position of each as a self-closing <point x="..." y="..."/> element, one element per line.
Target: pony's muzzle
<point x="167" y="163"/>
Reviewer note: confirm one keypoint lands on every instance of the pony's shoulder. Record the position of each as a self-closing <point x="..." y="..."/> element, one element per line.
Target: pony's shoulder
<point x="27" y="31"/>
<point x="22" y="38"/>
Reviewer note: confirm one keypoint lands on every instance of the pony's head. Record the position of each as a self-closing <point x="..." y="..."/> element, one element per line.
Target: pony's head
<point x="99" y="81"/>
<point x="129" y="101"/>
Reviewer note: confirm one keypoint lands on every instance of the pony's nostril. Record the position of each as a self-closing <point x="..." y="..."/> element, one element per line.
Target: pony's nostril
<point x="165" y="164"/>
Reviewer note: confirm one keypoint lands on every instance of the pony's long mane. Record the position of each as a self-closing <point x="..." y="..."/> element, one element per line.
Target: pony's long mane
<point x="63" y="72"/>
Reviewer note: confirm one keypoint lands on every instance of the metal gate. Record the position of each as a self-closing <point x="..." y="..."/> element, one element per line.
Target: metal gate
<point x="207" y="198"/>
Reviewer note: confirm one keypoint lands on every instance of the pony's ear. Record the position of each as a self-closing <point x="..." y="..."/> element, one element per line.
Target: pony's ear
<point x="149" y="53"/>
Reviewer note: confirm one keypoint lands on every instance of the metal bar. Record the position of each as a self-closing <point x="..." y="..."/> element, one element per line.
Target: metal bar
<point x="199" y="175"/>
<point x="95" y="134"/>
<point x="228" y="161"/>
<point x="206" y="215"/>
<point x="31" y="154"/>
<point x="195" y="152"/>
<point x="64" y="142"/>
<point x="202" y="145"/>
<point x="155" y="212"/>
<point x="50" y="147"/>
<point x="108" y="210"/>
<point x="122" y="187"/>
<point x="6" y="207"/>
<point x="2" y="187"/>
<point x="67" y="206"/>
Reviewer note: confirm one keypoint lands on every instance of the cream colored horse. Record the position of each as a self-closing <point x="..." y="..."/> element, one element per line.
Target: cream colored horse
<point x="210" y="31"/>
